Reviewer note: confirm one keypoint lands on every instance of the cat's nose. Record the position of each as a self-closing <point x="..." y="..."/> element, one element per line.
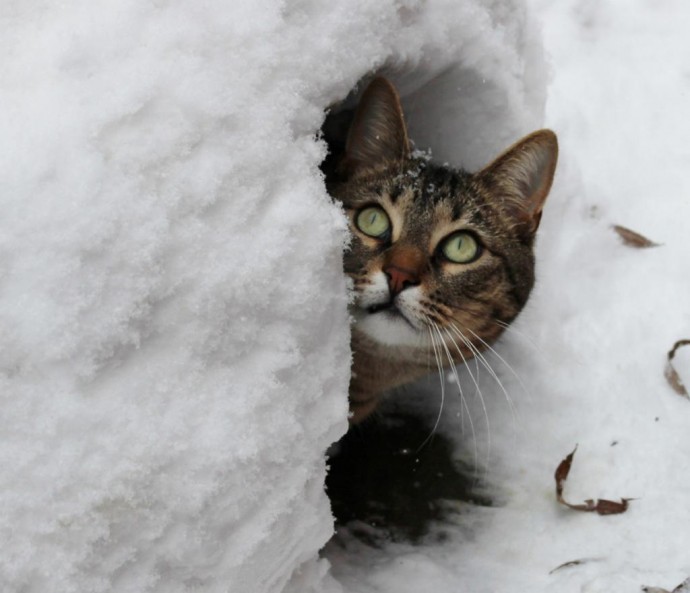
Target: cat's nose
<point x="403" y="267"/>
<point x="400" y="278"/>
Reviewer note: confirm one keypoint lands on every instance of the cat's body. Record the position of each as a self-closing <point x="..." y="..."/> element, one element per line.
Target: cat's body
<point x="441" y="259"/>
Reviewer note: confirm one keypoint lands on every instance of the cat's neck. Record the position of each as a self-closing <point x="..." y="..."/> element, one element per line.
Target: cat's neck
<point x="380" y="367"/>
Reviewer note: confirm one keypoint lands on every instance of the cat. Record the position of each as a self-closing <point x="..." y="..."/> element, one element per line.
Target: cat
<point x="440" y="259"/>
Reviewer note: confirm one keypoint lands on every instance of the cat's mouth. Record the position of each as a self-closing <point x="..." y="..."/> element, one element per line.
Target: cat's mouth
<point x="389" y="306"/>
<point x="391" y="310"/>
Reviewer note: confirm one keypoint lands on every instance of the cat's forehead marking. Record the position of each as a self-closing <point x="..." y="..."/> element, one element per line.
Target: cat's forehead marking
<point x="395" y="192"/>
<point x="397" y="201"/>
<point x="439" y="184"/>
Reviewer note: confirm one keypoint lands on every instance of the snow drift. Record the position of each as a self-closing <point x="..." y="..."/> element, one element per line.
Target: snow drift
<point x="591" y="346"/>
<point x="174" y="337"/>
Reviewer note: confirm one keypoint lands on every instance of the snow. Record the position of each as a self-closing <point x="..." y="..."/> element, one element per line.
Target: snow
<point x="591" y="347"/>
<point x="174" y="353"/>
<point x="174" y="357"/>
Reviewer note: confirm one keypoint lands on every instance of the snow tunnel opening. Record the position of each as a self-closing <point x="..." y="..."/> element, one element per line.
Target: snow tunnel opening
<point x="388" y="481"/>
<point x="385" y="487"/>
<point x="458" y="113"/>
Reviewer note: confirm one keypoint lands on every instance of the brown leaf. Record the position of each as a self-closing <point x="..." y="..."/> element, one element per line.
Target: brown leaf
<point x="633" y="239"/>
<point x="608" y="507"/>
<point x="670" y="372"/>
<point x="561" y="475"/>
<point x="601" y="506"/>
<point x="684" y="587"/>
<point x="572" y="563"/>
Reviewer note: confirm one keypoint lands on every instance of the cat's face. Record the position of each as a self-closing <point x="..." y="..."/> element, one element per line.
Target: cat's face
<point x="436" y="250"/>
<point x="429" y="248"/>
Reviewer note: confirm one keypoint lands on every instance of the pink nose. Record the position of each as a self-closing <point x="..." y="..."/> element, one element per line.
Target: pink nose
<point x="400" y="278"/>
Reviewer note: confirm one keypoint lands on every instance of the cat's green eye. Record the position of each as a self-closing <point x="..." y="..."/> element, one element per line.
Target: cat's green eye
<point x="373" y="221"/>
<point x="460" y="248"/>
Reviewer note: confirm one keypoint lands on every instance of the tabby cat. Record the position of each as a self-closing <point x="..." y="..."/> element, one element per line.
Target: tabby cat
<point x="440" y="258"/>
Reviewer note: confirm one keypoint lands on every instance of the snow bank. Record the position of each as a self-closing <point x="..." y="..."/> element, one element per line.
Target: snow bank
<point x="591" y="347"/>
<point x="174" y="351"/>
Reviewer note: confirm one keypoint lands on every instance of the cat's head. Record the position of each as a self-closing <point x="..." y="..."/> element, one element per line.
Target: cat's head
<point x="436" y="247"/>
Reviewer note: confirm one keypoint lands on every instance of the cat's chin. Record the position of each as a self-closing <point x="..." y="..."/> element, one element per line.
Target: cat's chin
<point x="388" y="327"/>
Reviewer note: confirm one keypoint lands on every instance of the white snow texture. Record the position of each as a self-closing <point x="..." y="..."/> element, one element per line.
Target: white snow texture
<point x="174" y="341"/>
<point x="174" y="352"/>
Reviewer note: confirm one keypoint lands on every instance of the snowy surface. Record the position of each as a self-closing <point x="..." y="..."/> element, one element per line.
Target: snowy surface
<point x="174" y="339"/>
<point x="591" y="348"/>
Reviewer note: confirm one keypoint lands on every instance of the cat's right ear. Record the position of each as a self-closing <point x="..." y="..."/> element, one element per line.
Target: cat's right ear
<point x="378" y="134"/>
<point x="521" y="177"/>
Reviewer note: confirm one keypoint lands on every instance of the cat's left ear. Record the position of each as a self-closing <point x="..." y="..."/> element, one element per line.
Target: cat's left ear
<point x="522" y="176"/>
<point x="378" y="135"/>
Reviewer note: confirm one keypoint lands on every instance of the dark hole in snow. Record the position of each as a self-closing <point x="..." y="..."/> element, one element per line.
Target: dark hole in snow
<point x="382" y="488"/>
<point x="334" y="132"/>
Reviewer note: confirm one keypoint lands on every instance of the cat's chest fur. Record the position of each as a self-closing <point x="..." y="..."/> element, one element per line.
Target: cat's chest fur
<point x="377" y="367"/>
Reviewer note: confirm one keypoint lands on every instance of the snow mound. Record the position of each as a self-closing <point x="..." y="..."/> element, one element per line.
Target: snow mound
<point x="174" y="354"/>
<point x="584" y="364"/>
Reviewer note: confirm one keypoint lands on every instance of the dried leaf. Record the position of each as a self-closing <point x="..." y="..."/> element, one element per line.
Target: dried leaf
<point x="572" y="563"/>
<point x="670" y="372"/>
<point x="633" y="239"/>
<point x="684" y="587"/>
<point x="601" y="506"/>
<point x="561" y="475"/>
<point x="608" y="507"/>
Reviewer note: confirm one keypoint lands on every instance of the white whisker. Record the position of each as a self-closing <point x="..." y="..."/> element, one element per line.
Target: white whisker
<point x="510" y="368"/>
<point x="513" y="330"/>
<point x="477" y="392"/>
<point x="463" y="401"/>
<point x="439" y="364"/>
<point x="485" y="363"/>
